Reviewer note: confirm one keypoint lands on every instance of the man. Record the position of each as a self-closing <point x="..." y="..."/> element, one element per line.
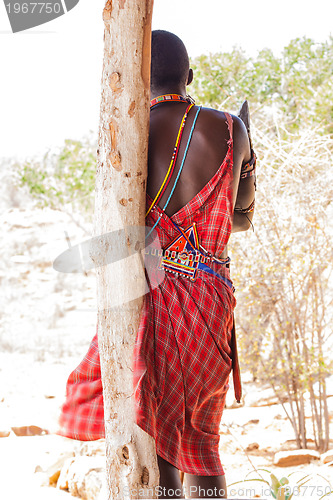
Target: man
<point x="200" y="188"/>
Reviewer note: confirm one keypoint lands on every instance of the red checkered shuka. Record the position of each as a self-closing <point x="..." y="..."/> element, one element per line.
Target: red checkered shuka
<point x="183" y="351"/>
<point x="82" y="414"/>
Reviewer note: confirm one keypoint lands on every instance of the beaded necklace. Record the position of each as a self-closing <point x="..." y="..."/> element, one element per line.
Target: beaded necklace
<point x="167" y="178"/>
<point x="171" y="97"/>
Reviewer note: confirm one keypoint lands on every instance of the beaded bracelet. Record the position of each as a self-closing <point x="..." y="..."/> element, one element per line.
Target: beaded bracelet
<point x="247" y="210"/>
<point x="249" y="169"/>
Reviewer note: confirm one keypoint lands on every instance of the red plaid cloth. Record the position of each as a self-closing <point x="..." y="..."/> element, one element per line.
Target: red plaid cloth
<point x="183" y="352"/>
<point x="82" y="415"/>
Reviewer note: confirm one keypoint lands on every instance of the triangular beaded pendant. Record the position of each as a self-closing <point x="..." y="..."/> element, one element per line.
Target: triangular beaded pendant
<point x="180" y="257"/>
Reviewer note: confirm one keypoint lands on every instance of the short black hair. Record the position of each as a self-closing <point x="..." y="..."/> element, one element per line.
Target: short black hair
<point x="169" y="60"/>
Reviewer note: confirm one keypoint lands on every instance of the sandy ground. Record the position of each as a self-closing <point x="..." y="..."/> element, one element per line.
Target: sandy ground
<point x="47" y="320"/>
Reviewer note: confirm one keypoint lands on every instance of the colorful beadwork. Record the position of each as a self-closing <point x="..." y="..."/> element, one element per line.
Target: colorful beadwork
<point x="172" y="162"/>
<point x="182" y="261"/>
<point x="168" y="98"/>
<point x="249" y="169"/>
<point x="183" y="256"/>
<point x="179" y="172"/>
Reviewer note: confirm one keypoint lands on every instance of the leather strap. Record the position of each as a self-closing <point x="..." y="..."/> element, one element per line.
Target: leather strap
<point x="235" y="364"/>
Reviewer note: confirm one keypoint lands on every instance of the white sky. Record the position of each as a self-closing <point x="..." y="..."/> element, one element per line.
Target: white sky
<point x="50" y="75"/>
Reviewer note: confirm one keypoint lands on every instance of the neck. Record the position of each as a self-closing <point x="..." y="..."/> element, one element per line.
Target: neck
<point x="155" y="92"/>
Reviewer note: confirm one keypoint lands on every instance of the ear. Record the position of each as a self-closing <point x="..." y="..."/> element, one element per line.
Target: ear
<point x="190" y="77"/>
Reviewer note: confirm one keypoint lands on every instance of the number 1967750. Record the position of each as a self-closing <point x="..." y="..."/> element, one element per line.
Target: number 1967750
<point x="30" y="7"/>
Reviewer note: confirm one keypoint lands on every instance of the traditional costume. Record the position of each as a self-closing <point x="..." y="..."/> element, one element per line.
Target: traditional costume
<point x="185" y="347"/>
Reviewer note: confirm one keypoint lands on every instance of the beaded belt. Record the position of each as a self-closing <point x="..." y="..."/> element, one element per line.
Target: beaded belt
<point x="188" y="263"/>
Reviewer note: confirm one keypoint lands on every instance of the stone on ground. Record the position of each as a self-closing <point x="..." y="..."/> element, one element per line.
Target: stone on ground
<point x="296" y="457"/>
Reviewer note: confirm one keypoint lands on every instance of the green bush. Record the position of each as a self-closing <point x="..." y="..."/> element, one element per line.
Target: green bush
<point x="63" y="178"/>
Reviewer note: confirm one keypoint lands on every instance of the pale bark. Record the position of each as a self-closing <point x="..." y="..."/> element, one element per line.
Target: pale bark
<point x="120" y="203"/>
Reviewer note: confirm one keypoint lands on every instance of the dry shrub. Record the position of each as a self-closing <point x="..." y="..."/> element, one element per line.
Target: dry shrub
<point x="282" y="273"/>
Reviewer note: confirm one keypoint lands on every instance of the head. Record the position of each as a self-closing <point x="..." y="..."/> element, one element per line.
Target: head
<point x="170" y="66"/>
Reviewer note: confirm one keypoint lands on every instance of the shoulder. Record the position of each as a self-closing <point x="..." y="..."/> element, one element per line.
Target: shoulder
<point x="213" y="120"/>
<point x="221" y="116"/>
<point x="217" y="120"/>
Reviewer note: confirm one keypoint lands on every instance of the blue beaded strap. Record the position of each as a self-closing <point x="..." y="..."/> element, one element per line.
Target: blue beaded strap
<point x="209" y="270"/>
<point x="178" y="175"/>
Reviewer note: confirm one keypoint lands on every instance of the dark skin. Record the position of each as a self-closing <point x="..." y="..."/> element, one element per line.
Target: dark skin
<point x="205" y="155"/>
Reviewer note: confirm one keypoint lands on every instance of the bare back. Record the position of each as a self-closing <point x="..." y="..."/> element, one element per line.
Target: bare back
<point x="206" y="153"/>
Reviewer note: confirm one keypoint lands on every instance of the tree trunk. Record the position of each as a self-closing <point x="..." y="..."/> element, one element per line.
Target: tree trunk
<point x="120" y="203"/>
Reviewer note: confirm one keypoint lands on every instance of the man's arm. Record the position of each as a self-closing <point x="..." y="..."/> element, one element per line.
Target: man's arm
<point x="243" y="188"/>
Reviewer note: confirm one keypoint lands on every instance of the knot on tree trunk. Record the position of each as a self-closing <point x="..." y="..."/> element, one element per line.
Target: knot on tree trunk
<point x="145" y="476"/>
<point x="115" y="83"/>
